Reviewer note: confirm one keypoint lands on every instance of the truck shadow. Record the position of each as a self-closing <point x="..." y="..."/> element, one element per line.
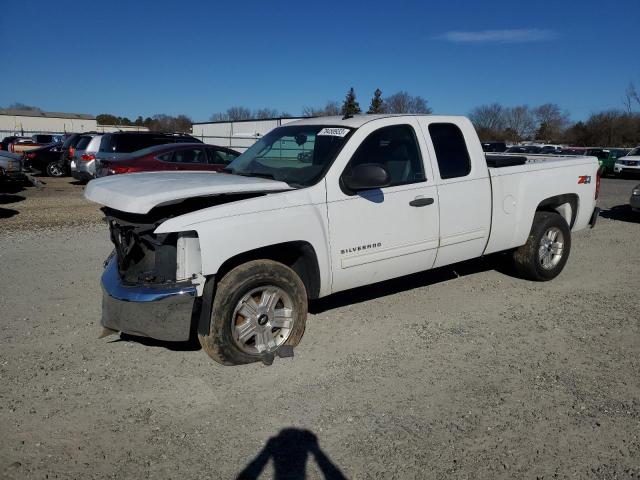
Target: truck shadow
<point x="498" y="262"/>
<point x="289" y="452"/>
<point x="622" y="213"/>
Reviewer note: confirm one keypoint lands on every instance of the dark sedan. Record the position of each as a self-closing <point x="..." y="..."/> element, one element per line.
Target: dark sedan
<point x="46" y="159"/>
<point x="173" y="156"/>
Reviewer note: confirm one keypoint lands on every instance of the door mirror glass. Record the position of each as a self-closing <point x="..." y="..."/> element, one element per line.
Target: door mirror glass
<point x="366" y="176"/>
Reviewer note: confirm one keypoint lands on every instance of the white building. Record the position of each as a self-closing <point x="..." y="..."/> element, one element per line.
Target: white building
<point x="27" y="122"/>
<point x="239" y="134"/>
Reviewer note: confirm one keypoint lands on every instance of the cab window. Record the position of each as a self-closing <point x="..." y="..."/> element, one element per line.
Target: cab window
<point x="396" y="150"/>
<point x="451" y="150"/>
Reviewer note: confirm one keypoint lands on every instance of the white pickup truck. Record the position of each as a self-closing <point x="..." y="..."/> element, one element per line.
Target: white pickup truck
<point x="319" y="206"/>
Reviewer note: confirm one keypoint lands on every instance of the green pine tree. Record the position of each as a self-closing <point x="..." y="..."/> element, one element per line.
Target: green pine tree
<point x="377" y="105"/>
<point x="350" y="107"/>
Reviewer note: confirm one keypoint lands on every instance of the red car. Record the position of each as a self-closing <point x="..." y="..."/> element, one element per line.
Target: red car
<point x="172" y="156"/>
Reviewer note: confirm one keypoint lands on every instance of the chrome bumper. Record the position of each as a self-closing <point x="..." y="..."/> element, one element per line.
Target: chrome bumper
<point x="163" y="313"/>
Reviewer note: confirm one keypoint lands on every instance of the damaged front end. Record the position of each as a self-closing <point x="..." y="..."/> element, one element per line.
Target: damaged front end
<point x="142" y="293"/>
<point x="152" y="283"/>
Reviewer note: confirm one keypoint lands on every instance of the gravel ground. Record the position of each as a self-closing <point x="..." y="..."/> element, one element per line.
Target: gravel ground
<point x="463" y="372"/>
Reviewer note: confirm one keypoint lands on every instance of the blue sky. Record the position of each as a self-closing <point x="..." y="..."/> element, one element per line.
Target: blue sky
<point x="137" y="57"/>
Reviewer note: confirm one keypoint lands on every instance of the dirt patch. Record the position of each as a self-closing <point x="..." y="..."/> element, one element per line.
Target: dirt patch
<point x="463" y="372"/>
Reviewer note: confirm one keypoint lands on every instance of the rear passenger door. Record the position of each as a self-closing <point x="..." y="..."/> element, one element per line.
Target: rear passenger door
<point x="464" y="189"/>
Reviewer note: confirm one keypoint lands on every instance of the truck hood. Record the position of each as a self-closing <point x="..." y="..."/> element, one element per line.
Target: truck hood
<point x="140" y="192"/>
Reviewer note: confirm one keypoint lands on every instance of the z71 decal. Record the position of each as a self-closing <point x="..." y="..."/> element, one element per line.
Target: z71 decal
<point x="584" y="179"/>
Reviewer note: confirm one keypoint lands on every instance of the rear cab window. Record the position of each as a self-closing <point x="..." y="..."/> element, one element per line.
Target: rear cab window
<point x="451" y="150"/>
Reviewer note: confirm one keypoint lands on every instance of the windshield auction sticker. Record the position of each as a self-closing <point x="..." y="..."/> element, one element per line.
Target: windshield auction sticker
<point x="334" y="132"/>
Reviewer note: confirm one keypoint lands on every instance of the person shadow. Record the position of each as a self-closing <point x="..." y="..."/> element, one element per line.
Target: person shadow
<point x="289" y="451"/>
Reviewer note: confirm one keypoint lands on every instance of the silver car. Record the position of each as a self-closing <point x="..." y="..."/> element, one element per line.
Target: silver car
<point x="11" y="167"/>
<point x="83" y="162"/>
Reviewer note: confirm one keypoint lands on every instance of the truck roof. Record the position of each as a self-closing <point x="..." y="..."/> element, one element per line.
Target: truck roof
<point x="358" y="120"/>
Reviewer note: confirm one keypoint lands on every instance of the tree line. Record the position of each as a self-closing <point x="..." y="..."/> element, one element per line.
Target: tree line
<point x="400" y="102"/>
<point x="547" y="122"/>
<point x="550" y="124"/>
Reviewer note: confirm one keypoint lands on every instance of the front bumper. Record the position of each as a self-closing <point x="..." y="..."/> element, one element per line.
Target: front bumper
<point x="626" y="168"/>
<point x="163" y="313"/>
<point x="634" y="201"/>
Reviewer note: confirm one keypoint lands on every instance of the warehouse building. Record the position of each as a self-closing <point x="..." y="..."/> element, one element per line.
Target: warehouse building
<point x="237" y="134"/>
<point x="28" y="122"/>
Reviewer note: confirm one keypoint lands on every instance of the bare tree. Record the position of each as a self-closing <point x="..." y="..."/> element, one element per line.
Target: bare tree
<point x="631" y="97"/>
<point x="238" y="113"/>
<point x="552" y="121"/>
<point x="330" y="109"/>
<point x="263" y="113"/>
<point x="23" y="106"/>
<point x="402" y="102"/>
<point x="520" y="121"/>
<point x="490" y="118"/>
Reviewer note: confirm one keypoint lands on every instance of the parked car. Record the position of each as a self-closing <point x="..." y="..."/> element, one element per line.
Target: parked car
<point x="46" y="159"/>
<point x="573" y="151"/>
<point x="630" y="163"/>
<point x="83" y="162"/>
<point x="607" y="164"/>
<point x="6" y="141"/>
<point x="494" y="146"/>
<point x="634" y="201"/>
<point x="523" y="149"/>
<point x="68" y="149"/>
<point x="45" y="138"/>
<point x="119" y="144"/>
<point x="183" y="156"/>
<point x="550" y="149"/>
<point x="25" y="144"/>
<point x="22" y="144"/>
<point x="11" y="167"/>
<point x="322" y="205"/>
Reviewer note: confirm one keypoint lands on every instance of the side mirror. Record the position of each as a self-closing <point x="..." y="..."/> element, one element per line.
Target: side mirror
<point x="365" y="177"/>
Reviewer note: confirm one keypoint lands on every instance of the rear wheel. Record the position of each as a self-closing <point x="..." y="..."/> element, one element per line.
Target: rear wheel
<point x="258" y="307"/>
<point x="54" y="169"/>
<point x="547" y="249"/>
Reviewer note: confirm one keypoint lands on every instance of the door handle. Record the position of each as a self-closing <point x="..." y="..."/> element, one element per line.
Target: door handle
<point x="421" y="202"/>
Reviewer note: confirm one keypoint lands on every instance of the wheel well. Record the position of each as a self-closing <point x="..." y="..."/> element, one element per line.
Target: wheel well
<point x="299" y="256"/>
<point x="566" y="205"/>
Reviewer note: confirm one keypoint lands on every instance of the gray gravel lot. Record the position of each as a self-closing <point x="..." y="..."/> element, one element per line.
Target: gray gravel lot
<point x="463" y="372"/>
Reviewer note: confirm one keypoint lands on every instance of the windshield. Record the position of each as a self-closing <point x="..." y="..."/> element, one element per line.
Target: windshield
<point x="298" y="155"/>
<point x="635" y="151"/>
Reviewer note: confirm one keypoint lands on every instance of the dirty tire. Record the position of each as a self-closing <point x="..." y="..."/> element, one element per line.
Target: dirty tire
<point x="527" y="259"/>
<point x="219" y="343"/>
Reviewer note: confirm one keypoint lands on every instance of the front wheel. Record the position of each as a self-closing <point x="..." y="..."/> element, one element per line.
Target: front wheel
<point x="547" y="249"/>
<point x="258" y="307"/>
<point x="55" y="170"/>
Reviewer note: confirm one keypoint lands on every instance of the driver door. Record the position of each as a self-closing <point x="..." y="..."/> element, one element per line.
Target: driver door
<point x="388" y="232"/>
